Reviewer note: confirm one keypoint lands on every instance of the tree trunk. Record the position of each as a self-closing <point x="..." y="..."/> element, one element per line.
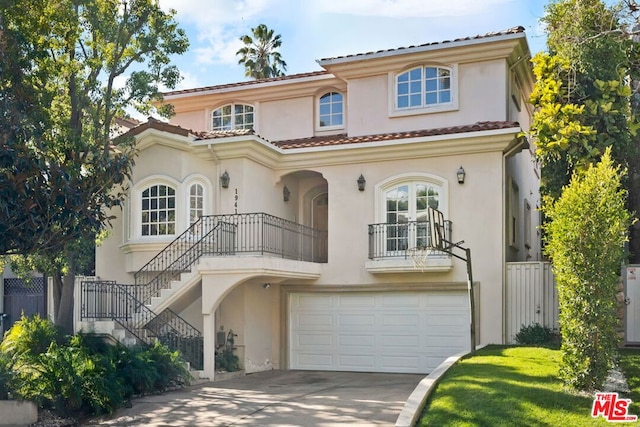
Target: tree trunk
<point x="64" y="317"/>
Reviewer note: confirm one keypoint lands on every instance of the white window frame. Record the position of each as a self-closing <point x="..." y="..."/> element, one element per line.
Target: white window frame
<point x="435" y="262"/>
<point x="207" y="202"/>
<point x="423" y="108"/>
<point x="233" y="116"/>
<point x="136" y="208"/>
<point x="319" y="127"/>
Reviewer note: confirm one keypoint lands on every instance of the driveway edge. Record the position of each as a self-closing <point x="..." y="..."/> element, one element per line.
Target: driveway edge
<point x="418" y="398"/>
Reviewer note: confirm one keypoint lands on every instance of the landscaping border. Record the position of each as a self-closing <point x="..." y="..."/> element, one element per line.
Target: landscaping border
<point x="415" y="403"/>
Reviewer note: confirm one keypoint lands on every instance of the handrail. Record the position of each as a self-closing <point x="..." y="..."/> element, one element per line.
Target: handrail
<point x="392" y="240"/>
<point x="114" y="301"/>
<point x="219" y="235"/>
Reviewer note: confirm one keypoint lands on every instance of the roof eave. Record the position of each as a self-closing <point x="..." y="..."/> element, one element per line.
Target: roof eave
<point x="419" y="49"/>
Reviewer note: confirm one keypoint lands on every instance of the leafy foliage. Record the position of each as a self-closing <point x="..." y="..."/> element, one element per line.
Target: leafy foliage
<point x="534" y="334"/>
<point x="60" y="170"/>
<point x="585" y="238"/>
<point x="84" y="375"/>
<point x="586" y="96"/>
<point x="259" y="55"/>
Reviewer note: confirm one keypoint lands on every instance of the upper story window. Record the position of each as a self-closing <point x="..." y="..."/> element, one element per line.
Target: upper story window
<point x="158" y="211"/>
<point x="422" y="87"/>
<point x="331" y="110"/>
<point x="232" y="116"/>
<point x="407" y="216"/>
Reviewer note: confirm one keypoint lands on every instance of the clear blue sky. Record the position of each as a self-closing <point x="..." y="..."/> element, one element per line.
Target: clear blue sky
<point x="314" y="29"/>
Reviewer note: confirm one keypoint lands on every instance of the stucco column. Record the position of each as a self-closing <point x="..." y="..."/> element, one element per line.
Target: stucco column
<point x="209" y="335"/>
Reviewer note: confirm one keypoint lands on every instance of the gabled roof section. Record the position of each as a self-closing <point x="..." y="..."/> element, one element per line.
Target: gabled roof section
<point x="343" y="139"/>
<point x="422" y="47"/>
<point x="156" y="124"/>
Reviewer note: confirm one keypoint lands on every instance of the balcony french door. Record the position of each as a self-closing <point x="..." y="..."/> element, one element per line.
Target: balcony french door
<point x="406" y="215"/>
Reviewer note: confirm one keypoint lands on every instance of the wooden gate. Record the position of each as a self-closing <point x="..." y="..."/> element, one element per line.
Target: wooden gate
<point x="21" y="297"/>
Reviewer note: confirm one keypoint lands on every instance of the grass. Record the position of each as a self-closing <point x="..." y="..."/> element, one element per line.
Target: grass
<point x="508" y="386"/>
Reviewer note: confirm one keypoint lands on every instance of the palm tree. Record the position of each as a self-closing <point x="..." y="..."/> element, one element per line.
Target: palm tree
<point x="259" y="55"/>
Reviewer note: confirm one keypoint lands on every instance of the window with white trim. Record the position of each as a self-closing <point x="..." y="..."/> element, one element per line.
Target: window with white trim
<point x="232" y="116"/>
<point x="331" y="110"/>
<point x="406" y="214"/>
<point x="158" y="210"/>
<point x="424" y="87"/>
<point x="196" y="202"/>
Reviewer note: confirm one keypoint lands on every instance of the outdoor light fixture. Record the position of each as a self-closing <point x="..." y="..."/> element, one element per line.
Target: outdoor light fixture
<point x="266" y="285"/>
<point x="361" y="182"/>
<point x="286" y="193"/>
<point x="461" y="174"/>
<point x="224" y="179"/>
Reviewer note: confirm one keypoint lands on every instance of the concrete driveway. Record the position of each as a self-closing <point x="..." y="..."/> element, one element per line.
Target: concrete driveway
<point x="277" y="398"/>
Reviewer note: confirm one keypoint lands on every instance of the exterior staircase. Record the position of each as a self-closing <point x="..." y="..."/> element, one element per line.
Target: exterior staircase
<point x="142" y="309"/>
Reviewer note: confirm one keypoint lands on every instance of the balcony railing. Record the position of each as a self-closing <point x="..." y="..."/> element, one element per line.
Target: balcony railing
<point x="393" y="240"/>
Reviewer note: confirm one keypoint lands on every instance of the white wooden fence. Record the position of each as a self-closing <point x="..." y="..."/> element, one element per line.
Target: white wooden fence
<point x="531" y="297"/>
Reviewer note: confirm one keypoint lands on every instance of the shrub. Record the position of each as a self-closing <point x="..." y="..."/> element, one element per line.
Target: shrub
<point x="534" y="334"/>
<point x="585" y="240"/>
<point x="84" y="375"/>
<point x="29" y="337"/>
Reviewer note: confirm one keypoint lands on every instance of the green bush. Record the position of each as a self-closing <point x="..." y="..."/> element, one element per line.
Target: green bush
<point x="585" y="240"/>
<point x="534" y="334"/>
<point x="83" y="375"/>
<point x="29" y="337"/>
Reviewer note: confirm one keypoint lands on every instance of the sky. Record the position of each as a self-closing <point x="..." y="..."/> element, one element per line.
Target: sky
<point x="315" y="29"/>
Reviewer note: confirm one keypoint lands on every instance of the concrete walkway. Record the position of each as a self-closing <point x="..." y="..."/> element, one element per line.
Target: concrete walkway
<point x="277" y="398"/>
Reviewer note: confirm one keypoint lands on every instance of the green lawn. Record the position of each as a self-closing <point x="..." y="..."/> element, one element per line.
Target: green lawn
<point x="516" y="386"/>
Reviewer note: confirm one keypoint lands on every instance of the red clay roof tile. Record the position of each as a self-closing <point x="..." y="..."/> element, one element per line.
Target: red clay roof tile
<point x="343" y="139"/>
<point x="514" y="30"/>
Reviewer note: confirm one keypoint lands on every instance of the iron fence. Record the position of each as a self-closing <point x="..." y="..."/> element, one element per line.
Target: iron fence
<point x="389" y="240"/>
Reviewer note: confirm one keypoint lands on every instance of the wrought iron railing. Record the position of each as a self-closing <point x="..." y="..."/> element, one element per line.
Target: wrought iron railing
<point x="113" y="301"/>
<point x="214" y="235"/>
<point x="389" y="240"/>
<point x="251" y="233"/>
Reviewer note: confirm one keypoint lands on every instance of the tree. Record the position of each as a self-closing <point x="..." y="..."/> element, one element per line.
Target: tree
<point x="60" y="171"/>
<point x="583" y="98"/>
<point x="259" y="55"/>
<point x="585" y="240"/>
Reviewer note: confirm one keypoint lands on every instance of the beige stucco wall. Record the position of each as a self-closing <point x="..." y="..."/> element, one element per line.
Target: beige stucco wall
<point x="286" y="119"/>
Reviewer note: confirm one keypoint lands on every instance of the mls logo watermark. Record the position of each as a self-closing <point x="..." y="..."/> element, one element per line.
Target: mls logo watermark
<point x="612" y="408"/>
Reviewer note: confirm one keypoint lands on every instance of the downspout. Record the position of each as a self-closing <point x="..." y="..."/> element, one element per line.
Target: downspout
<point x="522" y="144"/>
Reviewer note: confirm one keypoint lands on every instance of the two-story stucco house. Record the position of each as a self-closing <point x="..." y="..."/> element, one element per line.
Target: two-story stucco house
<point x="283" y="209"/>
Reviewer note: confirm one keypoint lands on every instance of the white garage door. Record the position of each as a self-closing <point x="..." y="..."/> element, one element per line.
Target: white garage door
<point x="377" y="331"/>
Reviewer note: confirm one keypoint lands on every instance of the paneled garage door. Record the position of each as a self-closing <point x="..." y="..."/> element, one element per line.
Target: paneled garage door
<point x="377" y="331"/>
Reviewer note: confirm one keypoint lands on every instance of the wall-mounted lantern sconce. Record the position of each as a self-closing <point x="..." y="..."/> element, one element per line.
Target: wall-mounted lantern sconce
<point x="266" y="285"/>
<point x="224" y="180"/>
<point x="461" y="174"/>
<point x="361" y="182"/>
<point x="286" y="193"/>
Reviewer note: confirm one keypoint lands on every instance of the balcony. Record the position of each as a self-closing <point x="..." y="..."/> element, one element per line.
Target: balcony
<point x="391" y="246"/>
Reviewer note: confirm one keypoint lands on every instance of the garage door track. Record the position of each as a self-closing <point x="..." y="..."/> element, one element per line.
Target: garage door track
<point x="277" y="398"/>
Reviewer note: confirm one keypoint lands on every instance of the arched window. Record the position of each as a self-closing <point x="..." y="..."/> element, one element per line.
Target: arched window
<point x="331" y="110"/>
<point x="158" y="210"/>
<point x="406" y="214"/>
<point x="424" y="87"/>
<point x="196" y="202"/>
<point x="232" y="116"/>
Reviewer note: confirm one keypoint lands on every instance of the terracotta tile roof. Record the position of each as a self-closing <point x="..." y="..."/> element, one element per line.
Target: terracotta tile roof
<point x="152" y="123"/>
<point x="247" y="83"/>
<point x="343" y="139"/>
<point x="514" y="30"/>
